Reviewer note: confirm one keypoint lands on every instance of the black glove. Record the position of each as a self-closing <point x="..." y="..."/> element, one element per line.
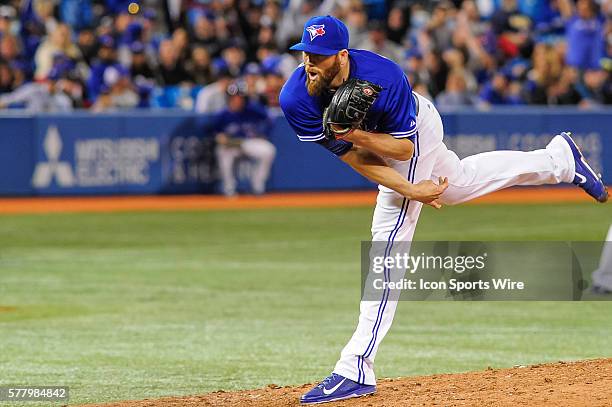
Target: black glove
<point x="349" y="106"/>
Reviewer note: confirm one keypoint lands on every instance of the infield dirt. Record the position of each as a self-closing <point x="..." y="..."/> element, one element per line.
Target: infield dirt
<point x="583" y="383"/>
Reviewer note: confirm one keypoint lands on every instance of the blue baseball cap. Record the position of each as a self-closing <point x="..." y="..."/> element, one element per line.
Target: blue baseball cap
<point x="137" y="47"/>
<point x="106" y="41"/>
<point x="323" y="35"/>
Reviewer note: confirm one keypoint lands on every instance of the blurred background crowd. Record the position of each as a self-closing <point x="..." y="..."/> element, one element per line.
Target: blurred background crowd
<point x="56" y="55"/>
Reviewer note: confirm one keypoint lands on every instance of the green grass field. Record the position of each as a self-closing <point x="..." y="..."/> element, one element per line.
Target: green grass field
<point x="141" y="305"/>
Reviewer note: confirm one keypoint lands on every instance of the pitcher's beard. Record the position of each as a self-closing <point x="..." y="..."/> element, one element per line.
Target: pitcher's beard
<point x="323" y="80"/>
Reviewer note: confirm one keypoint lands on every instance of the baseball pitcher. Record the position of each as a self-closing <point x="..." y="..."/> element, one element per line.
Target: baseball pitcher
<point x="360" y="106"/>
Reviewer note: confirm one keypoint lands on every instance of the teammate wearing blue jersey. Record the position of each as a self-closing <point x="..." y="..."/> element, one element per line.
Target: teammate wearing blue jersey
<point x="240" y="130"/>
<point x="399" y="146"/>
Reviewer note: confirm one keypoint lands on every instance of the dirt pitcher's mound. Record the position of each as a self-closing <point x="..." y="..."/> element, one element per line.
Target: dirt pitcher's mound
<point x="585" y="383"/>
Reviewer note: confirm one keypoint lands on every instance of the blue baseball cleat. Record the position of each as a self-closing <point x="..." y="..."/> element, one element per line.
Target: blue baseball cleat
<point x="585" y="176"/>
<point x="336" y="387"/>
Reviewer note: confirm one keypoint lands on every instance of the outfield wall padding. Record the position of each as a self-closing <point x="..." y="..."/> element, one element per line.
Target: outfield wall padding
<point x="159" y="151"/>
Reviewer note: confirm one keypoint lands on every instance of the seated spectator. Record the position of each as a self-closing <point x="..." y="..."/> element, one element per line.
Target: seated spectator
<point x="86" y="41"/>
<point x="9" y="48"/>
<point x="241" y="130"/>
<point x="172" y="72"/>
<point x="107" y="56"/>
<point x="438" y="71"/>
<point x="264" y="36"/>
<point x="274" y="81"/>
<point x="140" y="66"/>
<point x="11" y="51"/>
<point x="563" y="91"/>
<point x="117" y="91"/>
<point x="293" y="19"/>
<point x="232" y="58"/>
<point x="272" y="12"/>
<point x="254" y="84"/>
<point x="455" y="94"/>
<point x="124" y="30"/>
<point x="270" y="59"/>
<point x="38" y="97"/>
<point x="58" y="42"/>
<point x="596" y="87"/>
<point x="72" y="86"/>
<point x="204" y="34"/>
<point x="357" y="22"/>
<point x="494" y="92"/>
<point x="546" y="69"/>
<point x="470" y="17"/>
<point x="132" y="34"/>
<point x="222" y="30"/>
<point x="377" y="42"/>
<point x="396" y="25"/>
<point x="440" y="26"/>
<point x="506" y="18"/>
<point x="515" y="94"/>
<point x="106" y="27"/>
<point x="455" y="59"/>
<point x="199" y="66"/>
<point x="415" y="68"/>
<point x="212" y="98"/>
<point x="150" y="36"/>
<point x="180" y="41"/>
<point x="20" y="73"/>
<point x="6" y="78"/>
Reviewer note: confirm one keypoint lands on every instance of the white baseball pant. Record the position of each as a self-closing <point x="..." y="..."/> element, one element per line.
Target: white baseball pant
<point x="259" y="149"/>
<point x="395" y="217"/>
<point x="602" y="277"/>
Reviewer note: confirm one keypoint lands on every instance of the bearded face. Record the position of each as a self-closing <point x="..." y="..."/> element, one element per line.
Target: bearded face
<point x="319" y="79"/>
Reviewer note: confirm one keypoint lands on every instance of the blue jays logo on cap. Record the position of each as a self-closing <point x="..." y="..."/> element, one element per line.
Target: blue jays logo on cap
<point x="323" y="35"/>
<point x="316" y="30"/>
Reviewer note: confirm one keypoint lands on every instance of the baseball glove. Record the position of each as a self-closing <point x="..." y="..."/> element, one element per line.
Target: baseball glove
<point x="349" y="106"/>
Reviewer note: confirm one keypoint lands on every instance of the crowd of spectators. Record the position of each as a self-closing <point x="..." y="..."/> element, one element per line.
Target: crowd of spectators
<point x="56" y="55"/>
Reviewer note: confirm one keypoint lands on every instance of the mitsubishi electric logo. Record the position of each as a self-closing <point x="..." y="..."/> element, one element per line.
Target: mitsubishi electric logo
<point x="96" y="162"/>
<point x="53" y="167"/>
